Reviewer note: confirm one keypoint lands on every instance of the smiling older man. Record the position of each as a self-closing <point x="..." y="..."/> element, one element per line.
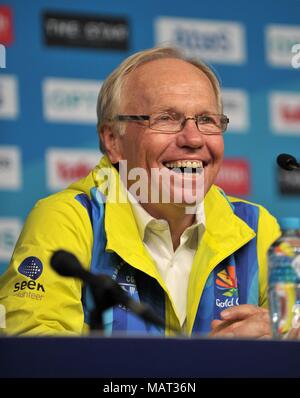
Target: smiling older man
<point x="200" y="263"/>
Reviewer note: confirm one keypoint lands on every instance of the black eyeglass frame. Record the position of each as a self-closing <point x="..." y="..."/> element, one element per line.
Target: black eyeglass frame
<point x="142" y="118"/>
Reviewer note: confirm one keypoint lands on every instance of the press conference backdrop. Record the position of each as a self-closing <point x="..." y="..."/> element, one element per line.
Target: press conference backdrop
<point x="54" y="54"/>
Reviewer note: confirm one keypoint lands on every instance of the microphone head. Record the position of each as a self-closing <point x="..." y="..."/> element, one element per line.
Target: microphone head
<point x="287" y="162"/>
<point x="66" y="264"/>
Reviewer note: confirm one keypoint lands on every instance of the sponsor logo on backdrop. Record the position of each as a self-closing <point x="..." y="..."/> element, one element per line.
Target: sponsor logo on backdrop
<point x="70" y="100"/>
<point x="234" y="177"/>
<point x="2" y="56"/>
<point x="285" y="113"/>
<point x="280" y="42"/>
<point x="296" y="58"/>
<point x="92" y="31"/>
<point x="65" y="166"/>
<point x="10" y="168"/>
<point x="214" y="41"/>
<point x="8" y="97"/>
<point x="10" y="229"/>
<point x="6" y="26"/>
<point x="236" y="107"/>
<point x="288" y="181"/>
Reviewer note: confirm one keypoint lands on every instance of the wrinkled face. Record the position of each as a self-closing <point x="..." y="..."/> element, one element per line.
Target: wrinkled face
<point x="177" y="86"/>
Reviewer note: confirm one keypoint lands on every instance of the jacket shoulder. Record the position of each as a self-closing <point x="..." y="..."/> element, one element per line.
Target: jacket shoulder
<point x="263" y="214"/>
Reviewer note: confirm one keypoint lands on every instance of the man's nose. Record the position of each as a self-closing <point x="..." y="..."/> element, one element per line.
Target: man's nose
<point x="190" y="136"/>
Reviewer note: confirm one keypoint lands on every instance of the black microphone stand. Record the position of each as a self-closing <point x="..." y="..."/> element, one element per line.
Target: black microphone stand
<point x="104" y="298"/>
<point x="102" y="302"/>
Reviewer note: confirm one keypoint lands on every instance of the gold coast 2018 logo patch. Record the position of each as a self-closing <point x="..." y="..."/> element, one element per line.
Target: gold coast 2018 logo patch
<point x="226" y="284"/>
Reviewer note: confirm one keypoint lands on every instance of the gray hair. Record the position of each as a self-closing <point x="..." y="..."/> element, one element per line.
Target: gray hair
<point x="109" y="98"/>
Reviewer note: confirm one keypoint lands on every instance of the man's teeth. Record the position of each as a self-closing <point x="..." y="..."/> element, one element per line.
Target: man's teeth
<point x="185" y="163"/>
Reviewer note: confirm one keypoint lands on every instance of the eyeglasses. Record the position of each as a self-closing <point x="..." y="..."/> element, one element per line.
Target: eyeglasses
<point x="174" y="122"/>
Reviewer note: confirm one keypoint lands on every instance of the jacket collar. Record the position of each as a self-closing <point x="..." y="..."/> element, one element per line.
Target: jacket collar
<point x="223" y="227"/>
<point x="120" y="226"/>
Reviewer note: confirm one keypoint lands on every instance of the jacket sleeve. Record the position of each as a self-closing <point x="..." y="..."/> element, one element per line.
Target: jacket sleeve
<point x="36" y="299"/>
<point x="268" y="232"/>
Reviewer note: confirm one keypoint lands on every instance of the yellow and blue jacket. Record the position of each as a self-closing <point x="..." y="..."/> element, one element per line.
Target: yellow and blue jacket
<point x="229" y="268"/>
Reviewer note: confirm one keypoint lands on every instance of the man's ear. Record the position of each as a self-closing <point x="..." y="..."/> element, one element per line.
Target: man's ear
<point x="110" y="140"/>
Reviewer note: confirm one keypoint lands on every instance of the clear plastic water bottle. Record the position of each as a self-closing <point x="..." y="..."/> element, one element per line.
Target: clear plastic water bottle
<point x="284" y="278"/>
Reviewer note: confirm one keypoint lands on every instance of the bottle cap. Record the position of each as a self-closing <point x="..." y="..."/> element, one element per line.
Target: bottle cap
<point x="289" y="223"/>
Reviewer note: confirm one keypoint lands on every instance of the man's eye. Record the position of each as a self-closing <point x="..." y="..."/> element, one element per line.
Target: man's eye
<point x="206" y="119"/>
<point x="165" y="117"/>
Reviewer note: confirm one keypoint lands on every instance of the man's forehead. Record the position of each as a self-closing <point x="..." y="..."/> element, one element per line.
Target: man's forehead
<point x="165" y="69"/>
<point x="167" y="77"/>
<point x="178" y="88"/>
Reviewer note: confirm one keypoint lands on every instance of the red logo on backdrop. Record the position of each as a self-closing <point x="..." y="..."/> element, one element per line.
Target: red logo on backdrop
<point x="234" y="177"/>
<point x="6" y="29"/>
<point x="72" y="171"/>
<point x="290" y="113"/>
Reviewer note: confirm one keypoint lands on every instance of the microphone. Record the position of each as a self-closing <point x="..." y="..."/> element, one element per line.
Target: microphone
<point x="106" y="292"/>
<point x="287" y="162"/>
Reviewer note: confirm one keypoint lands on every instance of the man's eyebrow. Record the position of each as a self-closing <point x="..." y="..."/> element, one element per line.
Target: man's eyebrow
<point x="173" y="109"/>
<point x="167" y="109"/>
